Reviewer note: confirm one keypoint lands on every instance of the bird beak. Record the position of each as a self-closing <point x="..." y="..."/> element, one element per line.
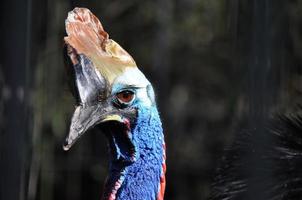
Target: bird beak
<point x="85" y="118"/>
<point x="88" y="85"/>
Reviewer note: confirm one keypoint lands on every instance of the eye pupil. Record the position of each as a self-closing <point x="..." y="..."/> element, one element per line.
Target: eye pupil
<point x="125" y="96"/>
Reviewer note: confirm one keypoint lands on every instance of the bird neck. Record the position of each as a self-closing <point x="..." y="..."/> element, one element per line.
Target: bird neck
<point x="145" y="177"/>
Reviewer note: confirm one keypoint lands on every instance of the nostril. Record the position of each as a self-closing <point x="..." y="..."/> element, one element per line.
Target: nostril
<point x="79" y="128"/>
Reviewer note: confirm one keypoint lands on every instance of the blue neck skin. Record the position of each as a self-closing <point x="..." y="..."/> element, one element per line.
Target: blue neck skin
<point x="140" y="179"/>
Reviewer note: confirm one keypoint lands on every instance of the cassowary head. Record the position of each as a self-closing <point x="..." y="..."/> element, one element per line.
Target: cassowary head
<point x="114" y="95"/>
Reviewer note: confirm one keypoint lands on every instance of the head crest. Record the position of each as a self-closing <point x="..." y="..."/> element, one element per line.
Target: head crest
<point x="85" y="35"/>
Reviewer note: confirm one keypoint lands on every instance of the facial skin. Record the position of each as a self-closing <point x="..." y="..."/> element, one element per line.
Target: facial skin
<point x="101" y="102"/>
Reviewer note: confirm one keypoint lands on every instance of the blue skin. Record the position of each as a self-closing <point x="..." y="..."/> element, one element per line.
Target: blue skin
<point x="140" y="179"/>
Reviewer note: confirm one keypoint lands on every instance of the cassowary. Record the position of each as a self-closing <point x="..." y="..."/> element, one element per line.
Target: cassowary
<point x="114" y="95"/>
<point x="263" y="163"/>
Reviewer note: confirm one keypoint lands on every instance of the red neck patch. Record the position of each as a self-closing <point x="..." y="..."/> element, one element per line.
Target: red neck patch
<point x="162" y="184"/>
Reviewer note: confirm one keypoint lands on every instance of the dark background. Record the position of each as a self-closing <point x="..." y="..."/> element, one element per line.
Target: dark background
<point x="215" y="65"/>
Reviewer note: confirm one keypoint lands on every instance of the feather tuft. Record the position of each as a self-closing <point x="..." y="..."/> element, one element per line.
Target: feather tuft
<point x="275" y="172"/>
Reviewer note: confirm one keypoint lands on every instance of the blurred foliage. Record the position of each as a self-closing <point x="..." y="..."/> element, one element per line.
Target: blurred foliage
<point x="196" y="54"/>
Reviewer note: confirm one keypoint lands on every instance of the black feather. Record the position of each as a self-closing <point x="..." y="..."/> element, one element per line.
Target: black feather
<point x="266" y="166"/>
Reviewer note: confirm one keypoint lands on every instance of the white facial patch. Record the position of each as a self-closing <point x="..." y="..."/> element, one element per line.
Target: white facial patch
<point x="135" y="78"/>
<point x="132" y="76"/>
<point x="142" y="96"/>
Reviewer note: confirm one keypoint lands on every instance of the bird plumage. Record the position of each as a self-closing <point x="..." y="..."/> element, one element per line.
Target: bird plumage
<point x="141" y="180"/>
<point x="114" y="95"/>
<point x="272" y="171"/>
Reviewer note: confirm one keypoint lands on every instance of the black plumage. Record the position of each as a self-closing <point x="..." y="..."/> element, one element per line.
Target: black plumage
<point x="263" y="163"/>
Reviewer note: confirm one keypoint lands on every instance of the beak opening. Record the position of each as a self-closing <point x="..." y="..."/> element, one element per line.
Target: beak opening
<point x="85" y="118"/>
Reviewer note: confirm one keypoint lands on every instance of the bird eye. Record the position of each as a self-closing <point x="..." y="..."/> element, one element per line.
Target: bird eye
<point x="125" y="96"/>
